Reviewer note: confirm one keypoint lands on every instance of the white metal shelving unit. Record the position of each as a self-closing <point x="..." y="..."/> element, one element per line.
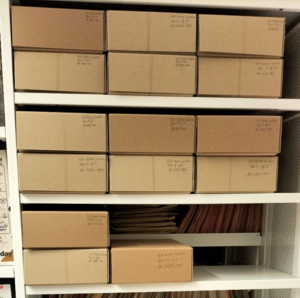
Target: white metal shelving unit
<point x="205" y="278"/>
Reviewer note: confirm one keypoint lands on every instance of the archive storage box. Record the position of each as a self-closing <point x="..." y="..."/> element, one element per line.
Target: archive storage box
<point x="141" y="31"/>
<point x="150" y="261"/>
<point x="71" y="132"/>
<point x="221" y="35"/>
<point x="238" y="135"/>
<point x="65" y="229"/>
<point x="66" y="267"/>
<point x="236" y="174"/>
<point x="151" y="134"/>
<point x="239" y="77"/>
<point x="151" y="174"/>
<point x="151" y="74"/>
<point x="55" y="29"/>
<point x="62" y="173"/>
<point x="60" y="72"/>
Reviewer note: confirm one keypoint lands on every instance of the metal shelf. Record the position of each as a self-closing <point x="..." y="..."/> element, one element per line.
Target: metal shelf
<point x="7" y="271"/>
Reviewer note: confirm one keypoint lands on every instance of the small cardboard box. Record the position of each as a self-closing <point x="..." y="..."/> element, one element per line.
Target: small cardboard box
<point x="236" y="174"/>
<point x="73" y="132"/>
<point x="66" y="267"/>
<point x="151" y="134"/>
<point x="61" y="72"/>
<point x="65" y="229"/>
<point x="240" y="36"/>
<point x="151" y="174"/>
<point x="150" y="261"/>
<point x="141" y="31"/>
<point x="239" y="77"/>
<point x="62" y="173"/>
<point x="6" y="247"/>
<point x="55" y="29"/>
<point x="238" y="135"/>
<point x="151" y="74"/>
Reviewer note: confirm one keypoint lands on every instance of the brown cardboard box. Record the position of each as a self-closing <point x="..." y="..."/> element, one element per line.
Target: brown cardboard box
<point x="147" y="261"/>
<point x="67" y="266"/>
<point x="151" y="174"/>
<point x="152" y="134"/>
<point x="240" y="77"/>
<point x="238" y="135"/>
<point x="55" y="29"/>
<point x="61" y="173"/>
<point x="65" y="229"/>
<point x="154" y="74"/>
<point x="241" y="36"/>
<point x="236" y="174"/>
<point x="73" y="132"/>
<point x="81" y="73"/>
<point x="141" y="31"/>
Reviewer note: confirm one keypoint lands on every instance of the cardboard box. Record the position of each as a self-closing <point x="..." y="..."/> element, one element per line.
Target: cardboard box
<point x="73" y="132"/>
<point x="236" y="174"/>
<point x="152" y="134"/>
<point x="241" y="36"/>
<point x="55" y="29"/>
<point x="65" y="267"/>
<point x="240" y="77"/>
<point x="65" y="229"/>
<point x="141" y="31"/>
<point x="80" y="73"/>
<point x="150" y="261"/>
<point x="151" y="174"/>
<point x="62" y="173"/>
<point x="6" y="247"/>
<point x="238" y="135"/>
<point x="151" y="74"/>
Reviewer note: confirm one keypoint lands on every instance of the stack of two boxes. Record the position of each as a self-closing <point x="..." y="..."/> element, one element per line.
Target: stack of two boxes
<point x="151" y="53"/>
<point x="240" y="56"/>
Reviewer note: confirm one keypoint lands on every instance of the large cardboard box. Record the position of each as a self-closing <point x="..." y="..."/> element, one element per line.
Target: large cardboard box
<point x="240" y="36"/>
<point x="151" y="74"/>
<point x="151" y="134"/>
<point x="62" y="173"/>
<point x="236" y="174"/>
<point x="238" y="135"/>
<point x="151" y="174"/>
<point x="150" y="261"/>
<point x="65" y="229"/>
<point x="73" y="132"/>
<point x="55" y="29"/>
<point x="141" y="31"/>
<point x="66" y="267"/>
<point x="239" y="77"/>
<point x="62" y="72"/>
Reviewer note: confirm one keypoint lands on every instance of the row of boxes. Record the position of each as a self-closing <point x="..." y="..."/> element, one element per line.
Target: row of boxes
<point x="130" y="261"/>
<point x="148" y="74"/>
<point x="82" y="31"/>
<point x="79" y="173"/>
<point x="148" y="134"/>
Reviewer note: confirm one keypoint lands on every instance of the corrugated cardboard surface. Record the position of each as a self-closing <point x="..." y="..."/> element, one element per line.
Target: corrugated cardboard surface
<point x="142" y="31"/>
<point x="147" y="134"/>
<point x="130" y="73"/>
<point x="60" y="173"/>
<point x="149" y="174"/>
<point x="236" y="174"/>
<point x="241" y="35"/>
<point x="146" y="261"/>
<point x="68" y="266"/>
<point x="74" y="132"/>
<point x="42" y="229"/>
<point x="59" y="72"/>
<point x="240" y="77"/>
<point x="58" y="29"/>
<point x="238" y="135"/>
